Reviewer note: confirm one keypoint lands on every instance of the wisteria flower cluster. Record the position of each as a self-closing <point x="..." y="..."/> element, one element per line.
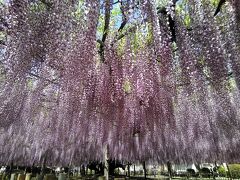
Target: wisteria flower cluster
<point x="153" y="81"/>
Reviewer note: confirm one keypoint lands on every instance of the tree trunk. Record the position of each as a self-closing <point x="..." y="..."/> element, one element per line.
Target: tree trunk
<point x="68" y="172"/>
<point x="106" y="165"/>
<point x="144" y="170"/>
<point x="82" y="170"/>
<point x="128" y="165"/>
<point x="43" y="167"/>
<point x="169" y="167"/>
<point x="229" y="172"/>
<point x="134" y="171"/>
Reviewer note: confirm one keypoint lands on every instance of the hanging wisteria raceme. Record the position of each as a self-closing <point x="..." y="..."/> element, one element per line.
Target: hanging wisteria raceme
<point x="221" y="106"/>
<point x="151" y="83"/>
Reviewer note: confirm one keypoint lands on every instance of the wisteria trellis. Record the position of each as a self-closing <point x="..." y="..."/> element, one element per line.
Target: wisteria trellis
<point x="76" y="77"/>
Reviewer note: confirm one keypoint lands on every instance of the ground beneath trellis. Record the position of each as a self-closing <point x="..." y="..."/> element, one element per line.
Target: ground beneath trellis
<point x="157" y="177"/>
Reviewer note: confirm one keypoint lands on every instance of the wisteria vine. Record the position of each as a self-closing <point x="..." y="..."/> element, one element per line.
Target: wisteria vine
<point x="154" y="81"/>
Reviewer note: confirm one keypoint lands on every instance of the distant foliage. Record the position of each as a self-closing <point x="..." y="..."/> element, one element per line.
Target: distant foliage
<point x="222" y="172"/>
<point x="235" y="170"/>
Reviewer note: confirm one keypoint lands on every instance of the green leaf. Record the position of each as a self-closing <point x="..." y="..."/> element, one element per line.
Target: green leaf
<point x="127" y="86"/>
<point x="187" y="21"/>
